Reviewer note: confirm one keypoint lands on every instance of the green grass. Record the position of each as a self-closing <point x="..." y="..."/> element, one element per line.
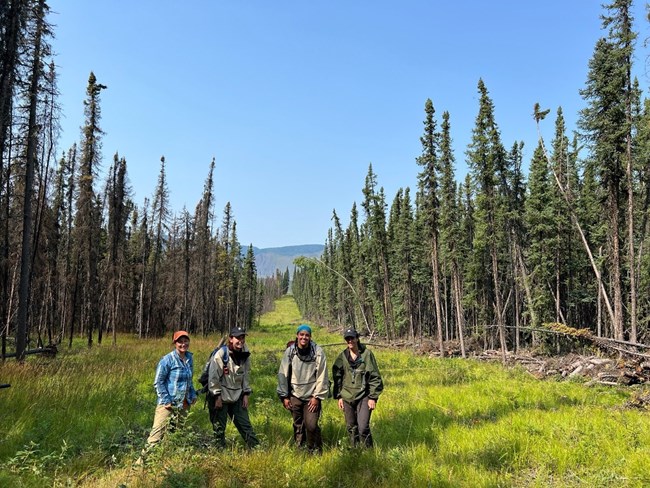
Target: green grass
<point x="80" y="419"/>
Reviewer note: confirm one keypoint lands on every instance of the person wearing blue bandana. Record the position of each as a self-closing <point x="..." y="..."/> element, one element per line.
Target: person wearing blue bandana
<point x="302" y="385"/>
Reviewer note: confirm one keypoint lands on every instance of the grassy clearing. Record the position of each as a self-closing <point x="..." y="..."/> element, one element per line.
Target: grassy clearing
<point x="80" y="419"/>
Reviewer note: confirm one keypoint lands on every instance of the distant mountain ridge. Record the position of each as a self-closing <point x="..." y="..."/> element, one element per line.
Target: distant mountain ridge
<point x="270" y="259"/>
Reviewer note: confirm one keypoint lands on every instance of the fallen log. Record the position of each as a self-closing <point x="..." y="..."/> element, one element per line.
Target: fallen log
<point x="585" y="334"/>
<point x="47" y="350"/>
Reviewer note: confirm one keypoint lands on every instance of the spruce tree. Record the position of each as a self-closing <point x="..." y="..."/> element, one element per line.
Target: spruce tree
<point x="374" y="248"/>
<point x="117" y="198"/>
<point x="87" y="217"/>
<point x="206" y="260"/>
<point x="541" y="228"/>
<point x="428" y="187"/>
<point x="485" y="157"/>
<point x="248" y="290"/>
<point x="401" y="236"/>
<point x="358" y="279"/>
<point x="451" y="233"/>
<point x="606" y="125"/>
<point x="160" y="215"/>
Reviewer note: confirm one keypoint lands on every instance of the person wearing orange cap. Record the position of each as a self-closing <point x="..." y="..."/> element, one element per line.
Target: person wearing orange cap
<point x="174" y="388"/>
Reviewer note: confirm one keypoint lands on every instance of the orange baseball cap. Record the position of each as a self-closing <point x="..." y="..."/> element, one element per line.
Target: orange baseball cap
<point x="179" y="334"/>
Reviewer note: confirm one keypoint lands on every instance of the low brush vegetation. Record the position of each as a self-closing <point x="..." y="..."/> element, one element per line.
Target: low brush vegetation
<point x="81" y="419"/>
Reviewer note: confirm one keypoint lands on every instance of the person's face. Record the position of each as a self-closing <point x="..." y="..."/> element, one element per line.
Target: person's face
<point x="303" y="339"/>
<point x="182" y="345"/>
<point x="237" y="343"/>
<point x="353" y="342"/>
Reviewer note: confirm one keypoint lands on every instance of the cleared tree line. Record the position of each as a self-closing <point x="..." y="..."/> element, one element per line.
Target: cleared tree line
<point x="78" y="257"/>
<point x="566" y="243"/>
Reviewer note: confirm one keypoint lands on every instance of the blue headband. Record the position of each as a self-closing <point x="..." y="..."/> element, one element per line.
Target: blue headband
<point x="304" y="327"/>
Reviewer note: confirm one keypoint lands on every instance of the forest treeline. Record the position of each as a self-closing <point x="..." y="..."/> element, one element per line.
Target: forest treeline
<point x="78" y="257"/>
<point x="501" y="253"/>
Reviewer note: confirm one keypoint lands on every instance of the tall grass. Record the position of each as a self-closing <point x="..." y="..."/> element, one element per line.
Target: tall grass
<point x="81" y="419"/>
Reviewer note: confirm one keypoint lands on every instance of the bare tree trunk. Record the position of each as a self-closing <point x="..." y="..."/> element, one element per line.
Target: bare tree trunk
<point x="617" y="323"/>
<point x="498" y="306"/>
<point x="435" y="265"/>
<point x="559" y="317"/>
<point x="445" y="306"/>
<point x="30" y="164"/>
<point x="73" y="311"/>
<point x="599" y="306"/>
<point x="10" y="53"/>
<point x="10" y="306"/>
<point x="140" y="308"/>
<point x="526" y="282"/>
<point x="630" y="245"/>
<point x="558" y="310"/>
<point x="514" y="250"/>
<point x="460" y="316"/>
<point x="388" y="305"/>
<point x="116" y="305"/>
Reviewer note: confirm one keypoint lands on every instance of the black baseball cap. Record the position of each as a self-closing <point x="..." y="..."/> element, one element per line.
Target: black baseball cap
<point x="237" y="332"/>
<point x="351" y="332"/>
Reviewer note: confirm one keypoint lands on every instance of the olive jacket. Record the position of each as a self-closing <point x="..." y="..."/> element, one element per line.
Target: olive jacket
<point x="357" y="379"/>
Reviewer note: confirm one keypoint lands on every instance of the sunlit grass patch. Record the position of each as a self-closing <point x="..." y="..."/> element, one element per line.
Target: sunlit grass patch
<point x="82" y="417"/>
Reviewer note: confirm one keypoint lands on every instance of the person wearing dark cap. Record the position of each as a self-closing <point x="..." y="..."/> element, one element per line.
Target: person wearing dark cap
<point x="357" y="386"/>
<point x="174" y="388"/>
<point x="229" y="389"/>
<point x="302" y="386"/>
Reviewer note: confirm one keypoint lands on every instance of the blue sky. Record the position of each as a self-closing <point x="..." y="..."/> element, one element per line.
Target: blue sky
<point x="295" y="99"/>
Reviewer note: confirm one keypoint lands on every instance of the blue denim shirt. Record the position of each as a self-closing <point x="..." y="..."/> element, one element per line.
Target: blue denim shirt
<point x="173" y="382"/>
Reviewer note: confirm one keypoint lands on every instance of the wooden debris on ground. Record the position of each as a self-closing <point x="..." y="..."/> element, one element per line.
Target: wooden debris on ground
<point x="596" y="369"/>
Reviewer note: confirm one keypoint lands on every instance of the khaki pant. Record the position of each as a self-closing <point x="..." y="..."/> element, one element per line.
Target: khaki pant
<point x="166" y="419"/>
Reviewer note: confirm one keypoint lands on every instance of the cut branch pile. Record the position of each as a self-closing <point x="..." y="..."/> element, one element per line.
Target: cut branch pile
<point x="597" y="369"/>
<point x="614" y="362"/>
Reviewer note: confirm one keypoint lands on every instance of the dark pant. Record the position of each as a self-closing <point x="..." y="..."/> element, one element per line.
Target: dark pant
<point x="305" y="425"/>
<point x="239" y="416"/>
<point x="357" y="419"/>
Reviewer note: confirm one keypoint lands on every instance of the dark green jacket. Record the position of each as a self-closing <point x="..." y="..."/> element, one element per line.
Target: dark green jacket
<point x="354" y="381"/>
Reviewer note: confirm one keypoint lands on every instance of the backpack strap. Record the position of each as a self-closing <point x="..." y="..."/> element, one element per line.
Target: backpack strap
<point x="292" y="353"/>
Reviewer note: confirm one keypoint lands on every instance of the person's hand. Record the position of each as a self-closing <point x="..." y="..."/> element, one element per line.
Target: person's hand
<point x="193" y="401"/>
<point x="313" y="404"/>
<point x="371" y="404"/>
<point x="217" y="402"/>
<point x="168" y="406"/>
<point x="341" y="403"/>
<point x="287" y="403"/>
<point x="244" y="402"/>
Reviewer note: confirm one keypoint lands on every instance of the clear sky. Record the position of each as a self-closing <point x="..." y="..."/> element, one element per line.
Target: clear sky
<point x="296" y="98"/>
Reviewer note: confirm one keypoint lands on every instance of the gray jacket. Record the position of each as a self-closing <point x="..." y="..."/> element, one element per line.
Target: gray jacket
<point x="233" y="384"/>
<point x="307" y="374"/>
